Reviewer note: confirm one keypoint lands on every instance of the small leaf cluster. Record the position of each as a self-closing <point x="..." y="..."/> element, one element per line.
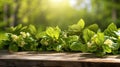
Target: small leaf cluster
<point x="77" y="38"/>
<point x="20" y="38"/>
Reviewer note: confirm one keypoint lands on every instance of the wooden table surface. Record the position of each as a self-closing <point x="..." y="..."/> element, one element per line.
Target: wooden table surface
<point x="61" y="56"/>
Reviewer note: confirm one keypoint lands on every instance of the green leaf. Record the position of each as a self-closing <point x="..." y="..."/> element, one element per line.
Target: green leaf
<point x="11" y="29"/>
<point x="93" y="27"/>
<point x="106" y="48"/>
<point x="77" y="27"/>
<point x="13" y="47"/>
<point x="40" y="35"/>
<point x="57" y="32"/>
<point x="75" y="46"/>
<point x="115" y="46"/>
<point x="98" y="38"/>
<point x="110" y="30"/>
<point x="87" y="34"/>
<point x="23" y="28"/>
<point x="45" y="41"/>
<point x="59" y="48"/>
<point x="92" y="48"/>
<point x="101" y="37"/>
<point x="84" y="48"/>
<point x="51" y="47"/>
<point x="53" y="32"/>
<point x="73" y="38"/>
<point x="100" y="54"/>
<point x="50" y="32"/>
<point x="81" y="23"/>
<point x="17" y="28"/>
<point x="32" y="29"/>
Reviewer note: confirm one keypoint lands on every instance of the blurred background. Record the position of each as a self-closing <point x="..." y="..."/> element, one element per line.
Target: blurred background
<point x="44" y="13"/>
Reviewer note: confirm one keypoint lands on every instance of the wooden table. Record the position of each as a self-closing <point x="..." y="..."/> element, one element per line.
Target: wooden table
<point x="53" y="59"/>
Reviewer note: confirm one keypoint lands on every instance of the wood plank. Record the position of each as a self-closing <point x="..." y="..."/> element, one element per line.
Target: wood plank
<point x="54" y="59"/>
<point x="54" y="56"/>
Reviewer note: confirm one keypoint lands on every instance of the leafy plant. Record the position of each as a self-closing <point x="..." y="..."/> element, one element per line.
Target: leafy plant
<point x="77" y="38"/>
<point x="87" y="34"/>
<point x="93" y="27"/>
<point x="53" y="32"/>
<point x="20" y="38"/>
<point x="110" y="30"/>
<point x="77" y="27"/>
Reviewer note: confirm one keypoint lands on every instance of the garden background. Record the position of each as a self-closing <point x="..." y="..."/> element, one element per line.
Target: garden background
<point x="43" y="13"/>
<point x="62" y="13"/>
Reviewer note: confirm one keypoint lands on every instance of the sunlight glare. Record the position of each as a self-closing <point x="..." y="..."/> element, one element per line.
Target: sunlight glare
<point x="72" y="2"/>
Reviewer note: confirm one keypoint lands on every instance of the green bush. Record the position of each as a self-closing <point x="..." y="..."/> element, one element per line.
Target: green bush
<point x="77" y="38"/>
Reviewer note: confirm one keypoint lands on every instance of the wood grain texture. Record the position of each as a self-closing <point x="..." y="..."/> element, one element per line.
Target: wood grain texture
<point x="53" y="59"/>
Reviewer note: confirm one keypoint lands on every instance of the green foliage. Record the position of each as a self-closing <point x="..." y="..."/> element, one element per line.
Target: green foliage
<point x="61" y="13"/>
<point x="13" y="48"/>
<point x="21" y="38"/>
<point x="96" y="42"/>
<point x="20" y="28"/>
<point x="32" y="29"/>
<point x="77" y="27"/>
<point x="75" y="46"/>
<point x="53" y="32"/>
<point x="87" y="34"/>
<point x="84" y="39"/>
<point x="94" y="27"/>
<point x="16" y="30"/>
<point x="106" y="48"/>
<point x="110" y="30"/>
<point x="98" y="38"/>
<point x="73" y="38"/>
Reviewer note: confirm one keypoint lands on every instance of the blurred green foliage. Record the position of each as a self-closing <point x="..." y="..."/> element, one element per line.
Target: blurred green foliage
<point x="2" y="36"/>
<point x="60" y="13"/>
